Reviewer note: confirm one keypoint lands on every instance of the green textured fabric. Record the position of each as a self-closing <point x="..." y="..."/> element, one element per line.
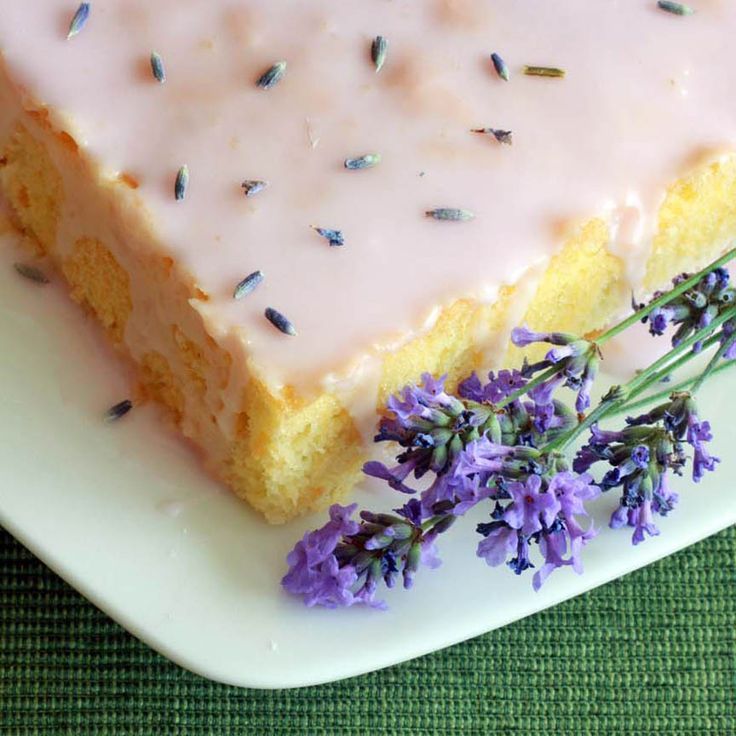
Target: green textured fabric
<point x="652" y="653"/>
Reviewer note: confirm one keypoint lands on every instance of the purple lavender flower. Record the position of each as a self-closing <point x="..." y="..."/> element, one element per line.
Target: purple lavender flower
<point x="393" y="476"/>
<point x="498" y="544"/>
<point x="531" y="506"/>
<point x="521" y="562"/>
<point x="467" y="482"/>
<point x="604" y="437"/>
<point x="729" y="327"/>
<point x="482" y="447"/>
<point x="640" y="457"/>
<point x="313" y="567"/>
<point x="523" y="336"/>
<point x="619" y="517"/>
<point x="543" y="393"/>
<point x="499" y="386"/>
<point x="469" y="492"/>
<point x="433" y="427"/>
<point x="573" y="349"/>
<point x="694" y="309"/>
<point x="586" y="457"/>
<point x="641" y="519"/>
<point x="573" y="492"/>
<point x="421" y="553"/>
<point x="698" y="433"/>
<point x="483" y="457"/>
<point x="325" y="584"/>
<point x="418" y="401"/>
<point x="553" y="547"/>
<point x="587" y="379"/>
<point x="665" y="498"/>
<point x="575" y="359"/>
<point x="472" y="388"/>
<point x="441" y="491"/>
<point x="321" y="543"/>
<point x="342" y="563"/>
<point x="659" y="320"/>
<point x="412" y="512"/>
<point x="543" y="416"/>
<point x="545" y="510"/>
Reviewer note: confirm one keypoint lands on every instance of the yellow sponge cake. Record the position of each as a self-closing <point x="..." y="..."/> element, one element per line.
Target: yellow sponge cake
<point x="282" y="212"/>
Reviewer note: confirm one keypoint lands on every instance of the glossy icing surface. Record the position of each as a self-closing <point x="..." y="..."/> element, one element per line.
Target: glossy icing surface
<point x="645" y="94"/>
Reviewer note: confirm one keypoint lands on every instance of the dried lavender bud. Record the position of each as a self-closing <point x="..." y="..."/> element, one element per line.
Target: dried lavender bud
<point x="248" y="284"/>
<point x="272" y="75"/>
<point x="32" y="273"/>
<point x="279" y="321"/>
<point x="118" y="410"/>
<point x="363" y="162"/>
<point x="451" y="214"/>
<point x="79" y="20"/>
<point x="157" y="67"/>
<point x="379" y="47"/>
<point x="251" y="187"/>
<point x="675" y="8"/>
<point x="181" y="183"/>
<point x="500" y="66"/>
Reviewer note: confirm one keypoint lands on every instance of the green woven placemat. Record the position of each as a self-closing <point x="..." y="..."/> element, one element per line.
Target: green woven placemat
<point x="652" y="653"/>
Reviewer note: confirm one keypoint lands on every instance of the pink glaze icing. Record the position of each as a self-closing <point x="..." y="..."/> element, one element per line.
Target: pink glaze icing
<point x="645" y="91"/>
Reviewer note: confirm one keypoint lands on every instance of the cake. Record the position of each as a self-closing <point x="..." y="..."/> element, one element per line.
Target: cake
<point x="282" y="212"/>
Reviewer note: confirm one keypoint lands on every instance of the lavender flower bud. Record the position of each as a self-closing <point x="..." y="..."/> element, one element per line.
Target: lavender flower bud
<point x="379" y="541"/>
<point x="411" y="566"/>
<point x="640" y="456"/>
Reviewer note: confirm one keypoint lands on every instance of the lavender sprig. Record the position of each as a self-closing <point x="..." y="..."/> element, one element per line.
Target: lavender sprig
<point x="499" y="444"/>
<point x="695" y="308"/>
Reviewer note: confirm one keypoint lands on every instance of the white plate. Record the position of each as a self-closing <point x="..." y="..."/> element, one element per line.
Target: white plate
<point x="124" y="513"/>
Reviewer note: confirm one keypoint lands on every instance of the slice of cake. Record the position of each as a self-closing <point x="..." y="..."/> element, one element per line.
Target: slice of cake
<point x="283" y="211"/>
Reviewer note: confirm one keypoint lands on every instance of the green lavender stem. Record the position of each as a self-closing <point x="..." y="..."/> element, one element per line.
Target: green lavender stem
<point x="685" y="385"/>
<point x="722" y="350"/>
<point x="660" y="375"/>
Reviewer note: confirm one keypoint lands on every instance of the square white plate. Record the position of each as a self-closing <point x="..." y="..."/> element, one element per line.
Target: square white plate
<point x="124" y="513"/>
